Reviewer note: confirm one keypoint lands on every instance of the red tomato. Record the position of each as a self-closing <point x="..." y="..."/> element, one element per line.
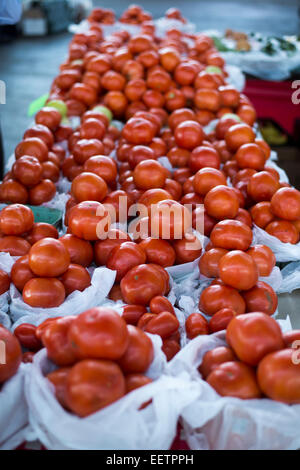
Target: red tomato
<point x="132" y="313"/>
<point x="142" y="283"/>
<point x="234" y="379"/>
<point x="289" y="337"/>
<point x="262" y="186"/>
<point x="42" y="132"/>
<point x="231" y="235"/>
<point x="103" y="248"/>
<point x="221" y="202"/>
<point x="138" y="131"/>
<point x="12" y="191"/>
<point x="284" y="230"/>
<point x="238" y="135"/>
<point x="89" y="220"/>
<point x="213" y="358"/>
<point x="49" y="117"/>
<point x="206" y="179"/>
<point x="102" y="166"/>
<point x="93" y="385"/>
<point x="149" y="174"/>
<point x="42" y="192"/>
<point x="34" y="147"/>
<point x="261" y="214"/>
<point x="261" y="298"/>
<point x="250" y="156"/>
<point x="238" y="270"/>
<point x="124" y="257"/>
<point x="48" y="257"/>
<point x="209" y="262"/>
<point x="139" y="353"/>
<point x="188" y="249"/>
<point x="26" y="335"/>
<point x="76" y="277"/>
<point x="41" y="230"/>
<point x="13" y="355"/>
<point x="158" y="251"/>
<point x="163" y="324"/>
<point x="160" y="304"/>
<point x="195" y="325"/>
<point x="170" y="348"/>
<point x="44" y="292"/>
<point x="16" y="219"/>
<point x="28" y="170"/>
<point x="134" y="381"/>
<point x="56" y="341"/>
<point x="15" y="246"/>
<point x="264" y="259"/>
<point x="278" y="376"/>
<point x="99" y="333"/>
<point x="58" y="378"/>
<point x="4" y="281"/>
<point x="285" y="204"/>
<point x="189" y="134"/>
<point x="221" y="319"/>
<point x="217" y="297"/>
<point x="254" y="335"/>
<point x="89" y="187"/>
<point x="80" y="251"/>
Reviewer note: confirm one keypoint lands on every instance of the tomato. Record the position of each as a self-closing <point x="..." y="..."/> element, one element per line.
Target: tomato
<point x="206" y="179"/>
<point x="49" y="117"/>
<point x="34" y="147"/>
<point x="42" y="326"/>
<point x="264" y="259"/>
<point x="278" y="377"/>
<point x="170" y="220"/>
<point x="238" y="135"/>
<point x="44" y="292"/>
<point x="16" y="219"/>
<point x="13" y="354"/>
<point x="134" y="381"/>
<point x="84" y="93"/>
<point x="213" y="358"/>
<point x="89" y="187"/>
<point x="289" y="337"/>
<point x="207" y="98"/>
<point x="4" y="281"/>
<point x="178" y="157"/>
<point x="244" y="217"/>
<point x="158" y="251"/>
<point x="99" y="333"/>
<point x="139" y="353"/>
<point x="28" y="170"/>
<point x="234" y="379"/>
<point x="202" y="222"/>
<point x="261" y="298"/>
<point x="238" y="269"/>
<point x="89" y="220"/>
<point x="56" y="341"/>
<point x="163" y="324"/>
<point x="28" y="357"/>
<point x="42" y="192"/>
<point x="93" y="385"/>
<point x="21" y="272"/>
<point x="209" y="262"/>
<point x="254" y="335"/>
<point x="120" y="201"/>
<point x="42" y="132"/>
<point x="48" y="257"/>
<point x="174" y="188"/>
<point x="159" y="147"/>
<point x="185" y="73"/>
<point x="138" y="131"/>
<point x="15" y="246"/>
<point x="50" y="171"/>
<point x="160" y="304"/>
<point x="86" y="148"/>
<point x="124" y="257"/>
<point x="189" y="135"/>
<point x="262" y="186"/>
<point x="12" y="191"/>
<point x="153" y="196"/>
<point x="102" y="166"/>
<point x="195" y="325"/>
<point x="221" y="320"/>
<point x="180" y="115"/>
<point x="26" y="335"/>
<point x="284" y="230"/>
<point x="188" y="249"/>
<point x="221" y="202"/>
<point x="247" y="114"/>
<point x="231" y="235"/>
<point x="41" y="230"/>
<point x="132" y="313"/>
<point x="75" y="278"/>
<point x="103" y="248"/>
<point x="58" y="378"/>
<point x="204" y="157"/>
<point x="261" y="214"/>
<point x="149" y="174"/>
<point x="216" y="297"/>
<point x="285" y="203"/>
<point x="80" y="251"/>
<point x="170" y="348"/>
<point x="142" y="283"/>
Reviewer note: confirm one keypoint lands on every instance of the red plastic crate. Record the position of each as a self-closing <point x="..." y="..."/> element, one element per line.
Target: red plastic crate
<point x="273" y="100"/>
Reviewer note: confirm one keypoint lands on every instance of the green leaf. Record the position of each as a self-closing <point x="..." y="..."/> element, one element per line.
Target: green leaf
<point x="37" y="104"/>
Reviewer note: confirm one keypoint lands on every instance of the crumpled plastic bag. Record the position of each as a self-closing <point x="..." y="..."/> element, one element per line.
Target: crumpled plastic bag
<point x="5" y="320"/>
<point x="6" y="263"/>
<point x="119" y="426"/>
<point x="290" y="277"/>
<point x="77" y="302"/>
<point x="225" y="423"/>
<point x="14" y="410"/>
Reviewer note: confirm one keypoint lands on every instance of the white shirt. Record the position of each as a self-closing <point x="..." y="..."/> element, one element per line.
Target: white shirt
<point x="10" y="11"/>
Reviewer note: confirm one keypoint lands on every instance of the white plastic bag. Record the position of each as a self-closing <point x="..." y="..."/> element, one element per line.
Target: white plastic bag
<point x="5" y="320"/>
<point x="290" y="278"/>
<point x="14" y="411"/>
<point x="282" y="251"/>
<point x="6" y="263"/>
<point x="77" y="302"/>
<point x="225" y="423"/>
<point x="119" y="426"/>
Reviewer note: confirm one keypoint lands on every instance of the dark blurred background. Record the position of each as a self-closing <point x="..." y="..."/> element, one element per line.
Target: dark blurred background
<point x="29" y="64"/>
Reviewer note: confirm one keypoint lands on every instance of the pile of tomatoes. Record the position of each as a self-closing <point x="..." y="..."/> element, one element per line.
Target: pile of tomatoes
<point x="187" y="144"/>
<point x="258" y="361"/>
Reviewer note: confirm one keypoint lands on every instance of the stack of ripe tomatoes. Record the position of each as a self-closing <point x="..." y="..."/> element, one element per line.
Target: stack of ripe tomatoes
<point x="166" y="91"/>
